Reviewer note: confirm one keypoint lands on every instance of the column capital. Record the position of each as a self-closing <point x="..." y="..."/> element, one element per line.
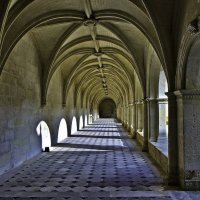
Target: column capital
<point x="170" y="94"/>
<point x="188" y="94"/>
<point x="146" y="99"/>
<point x="139" y="102"/>
<point x="153" y="99"/>
<point x="158" y="100"/>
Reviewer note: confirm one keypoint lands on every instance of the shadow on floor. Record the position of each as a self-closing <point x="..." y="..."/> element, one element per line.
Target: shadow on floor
<point x="97" y="136"/>
<point x="96" y="130"/>
<point x="86" y="146"/>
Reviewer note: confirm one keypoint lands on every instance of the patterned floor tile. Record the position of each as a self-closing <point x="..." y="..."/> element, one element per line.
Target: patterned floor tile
<point x="98" y="162"/>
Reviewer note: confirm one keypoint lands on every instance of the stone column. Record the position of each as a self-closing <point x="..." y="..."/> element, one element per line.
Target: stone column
<point x="122" y="114"/>
<point x="132" y="120"/>
<point x="124" y="117"/>
<point x="136" y="119"/>
<point x="188" y="102"/>
<point x="140" y="116"/>
<point x="127" y="117"/>
<point x="118" y="114"/>
<point x="145" y="121"/>
<point x="172" y="140"/>
<point x="153" y="120"/>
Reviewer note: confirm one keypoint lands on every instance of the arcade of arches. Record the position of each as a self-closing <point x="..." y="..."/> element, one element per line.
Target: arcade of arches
<point x="66" y="63"/>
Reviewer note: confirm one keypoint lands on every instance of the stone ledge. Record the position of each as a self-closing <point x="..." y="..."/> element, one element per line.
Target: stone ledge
<point x="140" y="138"/>
<point x="191" y="185"/>
<point x="159" y="156"/>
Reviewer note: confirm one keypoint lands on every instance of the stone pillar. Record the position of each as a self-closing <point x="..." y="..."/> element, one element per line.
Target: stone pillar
<point x="94" y="116"/>
<point x="127" y="117"/>
<point x="153" y="120"/>
<point x="118" y="114"/>
<point x="122" y="114"/>
<point x="130" y="117"/>
<point x="140" y="116"/>
<point x="90" y="118"/>
<point x="145" y="121"/>
<point x="188" y="102"/>
<point x="136" y="119"/>
<point x="172" y="140"/>
<point x="132" y="120"/>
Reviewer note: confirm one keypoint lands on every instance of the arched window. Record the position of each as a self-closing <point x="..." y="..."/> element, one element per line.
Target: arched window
<point x="43" y="131"/>
<point x="74" y="125"/>
<point x="62" y="131"/>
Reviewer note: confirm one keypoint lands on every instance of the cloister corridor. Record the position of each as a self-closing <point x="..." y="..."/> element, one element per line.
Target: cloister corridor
<point x="100" y="99"/>
<point x="98" y="162"/>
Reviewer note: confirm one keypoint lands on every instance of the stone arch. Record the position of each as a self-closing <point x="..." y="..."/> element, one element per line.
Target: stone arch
<point x="192" y="72"/>
<point x="188" y="46"/>
<point x="107" y="108"/>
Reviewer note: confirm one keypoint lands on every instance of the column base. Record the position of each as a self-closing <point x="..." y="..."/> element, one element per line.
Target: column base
<point x="152" y="139"/>
<point x="133" y="135"/>
<point x="145" y="147"/>
<point x="173" y="180"/>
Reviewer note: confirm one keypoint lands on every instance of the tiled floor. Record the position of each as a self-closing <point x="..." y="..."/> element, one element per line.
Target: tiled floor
<point x="99" y="162"/>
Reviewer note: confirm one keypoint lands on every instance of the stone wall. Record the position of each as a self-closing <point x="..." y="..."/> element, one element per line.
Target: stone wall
<point x="20" y="106"/>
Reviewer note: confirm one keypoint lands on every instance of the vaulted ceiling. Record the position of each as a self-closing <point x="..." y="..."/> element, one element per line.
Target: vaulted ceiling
<point x="98" y="45"/>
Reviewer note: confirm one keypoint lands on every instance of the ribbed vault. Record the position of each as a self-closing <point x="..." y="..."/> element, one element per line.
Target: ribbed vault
<point x="96" y="45"/>
<point x="59" y="59"/>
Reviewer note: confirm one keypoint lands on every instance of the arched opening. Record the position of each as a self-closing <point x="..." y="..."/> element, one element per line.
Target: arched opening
<point x="74" y="127"/>
<point x="107" y="109"/>
<point x="43" y="131"/>
<point x="62" y="131"/>
<point x="163" y="106"/>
